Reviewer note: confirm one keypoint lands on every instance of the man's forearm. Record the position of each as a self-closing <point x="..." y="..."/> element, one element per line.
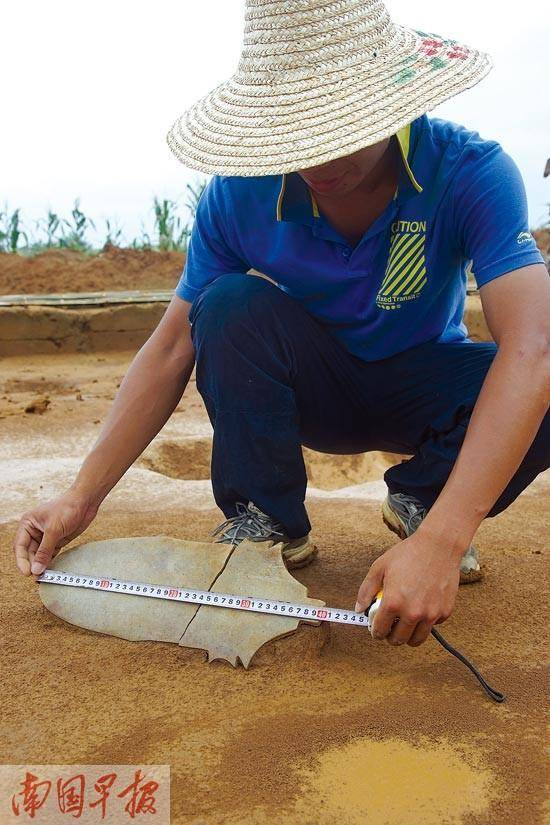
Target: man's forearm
<point x="511" y="405"/>
<point x="148" y="395"/>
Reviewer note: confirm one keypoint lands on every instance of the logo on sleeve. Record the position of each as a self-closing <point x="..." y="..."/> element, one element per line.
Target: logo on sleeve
<point x="405" y="276"/>
<point x="524" y="237"/>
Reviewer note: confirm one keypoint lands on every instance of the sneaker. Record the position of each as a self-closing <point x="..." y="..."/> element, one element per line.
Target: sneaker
<point x="251" y="523"/>
<point x="403" y="514"/>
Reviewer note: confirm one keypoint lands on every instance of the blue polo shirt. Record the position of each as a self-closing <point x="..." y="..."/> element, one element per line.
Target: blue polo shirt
<point x="459" y="199"/>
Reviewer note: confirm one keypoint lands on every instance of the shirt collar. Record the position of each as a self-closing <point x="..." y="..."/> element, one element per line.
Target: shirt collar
<point x="296" y="202"/>
<point x="404" y="140"/>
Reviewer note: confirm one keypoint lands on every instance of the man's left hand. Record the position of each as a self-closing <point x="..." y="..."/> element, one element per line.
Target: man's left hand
<point x="420" y="582"/>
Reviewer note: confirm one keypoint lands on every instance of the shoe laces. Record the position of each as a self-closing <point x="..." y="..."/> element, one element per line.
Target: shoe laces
<point x="414" y="510"/>
<point x="249" y="523"/>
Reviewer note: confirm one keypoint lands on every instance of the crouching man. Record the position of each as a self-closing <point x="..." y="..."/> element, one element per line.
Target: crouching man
<point x="354" y="340"/>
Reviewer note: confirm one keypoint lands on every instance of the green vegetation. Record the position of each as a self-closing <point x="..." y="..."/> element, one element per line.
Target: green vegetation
<point x="170" y="232"/>
<point x="10" y="231"/>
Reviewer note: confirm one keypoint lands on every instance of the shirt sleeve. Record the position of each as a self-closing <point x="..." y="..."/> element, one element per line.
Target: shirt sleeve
<point x="210" y="252"/>
<point x="491" y="216"/>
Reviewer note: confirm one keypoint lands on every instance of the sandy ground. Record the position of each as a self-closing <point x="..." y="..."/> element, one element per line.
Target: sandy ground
<point x="323" y="727"/>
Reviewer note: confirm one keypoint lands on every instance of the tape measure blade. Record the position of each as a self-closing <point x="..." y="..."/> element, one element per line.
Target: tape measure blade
<point x="209" y="598"/>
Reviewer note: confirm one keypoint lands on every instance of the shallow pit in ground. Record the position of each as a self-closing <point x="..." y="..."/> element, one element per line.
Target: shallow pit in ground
<point x="331" y="472"/>
<point x="189" y="458"/>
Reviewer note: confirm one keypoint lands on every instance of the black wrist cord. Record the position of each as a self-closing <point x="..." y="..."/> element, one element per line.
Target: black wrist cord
<point x="495" y="695"/>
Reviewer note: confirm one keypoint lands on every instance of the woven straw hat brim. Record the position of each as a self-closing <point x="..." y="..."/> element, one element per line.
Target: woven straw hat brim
<point x="249" y="127"/>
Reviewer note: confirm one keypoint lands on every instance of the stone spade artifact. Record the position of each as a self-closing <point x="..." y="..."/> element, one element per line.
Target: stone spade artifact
<point x="250" y="568"/>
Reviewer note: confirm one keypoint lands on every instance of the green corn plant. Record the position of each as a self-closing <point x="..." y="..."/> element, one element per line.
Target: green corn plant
<point x="193" y="199"/>
<point x="74" y="237"/>
<point x="114" y="234"/>
<point x="194" y="194"/>
<point x="169" y="227"/>
<point x="11" y="231"/>
<point x="163" y="221"/>
<point x="144" y="241"/>
<point x="170" y="231"/>
<point x="50" y="227"/>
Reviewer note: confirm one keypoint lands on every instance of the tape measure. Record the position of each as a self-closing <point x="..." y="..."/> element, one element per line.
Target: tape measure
<point x="254" y="604"/>
<point x="190" y="595"/>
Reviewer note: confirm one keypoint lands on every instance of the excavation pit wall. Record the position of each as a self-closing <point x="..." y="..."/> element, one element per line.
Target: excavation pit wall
<point x="35" y="329"/>
<point x="44" y="330"/>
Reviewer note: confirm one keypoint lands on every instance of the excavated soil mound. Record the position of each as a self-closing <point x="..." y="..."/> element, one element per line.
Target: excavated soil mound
<point x="67" y="270"/>
<point x="115" y="268"/>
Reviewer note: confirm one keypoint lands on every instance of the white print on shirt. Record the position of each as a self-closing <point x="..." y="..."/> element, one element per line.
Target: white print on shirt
<point x="524" y="237"/>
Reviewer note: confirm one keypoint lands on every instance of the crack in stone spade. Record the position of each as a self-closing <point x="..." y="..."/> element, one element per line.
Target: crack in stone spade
<point x="254" y="568"/>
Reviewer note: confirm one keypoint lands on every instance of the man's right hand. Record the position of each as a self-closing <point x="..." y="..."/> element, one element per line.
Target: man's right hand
<point x="43" y="531"/>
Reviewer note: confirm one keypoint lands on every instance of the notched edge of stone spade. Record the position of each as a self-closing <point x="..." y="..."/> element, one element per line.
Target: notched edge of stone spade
<point x="253" y="569"/>
<point x="159" y="560"/>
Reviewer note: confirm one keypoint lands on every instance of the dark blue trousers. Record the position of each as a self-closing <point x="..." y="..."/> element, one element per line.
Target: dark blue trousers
<point x="274" y="378"/>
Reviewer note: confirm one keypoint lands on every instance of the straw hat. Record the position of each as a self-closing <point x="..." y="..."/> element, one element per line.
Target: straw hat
<point x="317" y="80"/>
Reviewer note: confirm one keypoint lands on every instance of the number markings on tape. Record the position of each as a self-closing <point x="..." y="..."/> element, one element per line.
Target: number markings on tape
<point x="254" y="604"/>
